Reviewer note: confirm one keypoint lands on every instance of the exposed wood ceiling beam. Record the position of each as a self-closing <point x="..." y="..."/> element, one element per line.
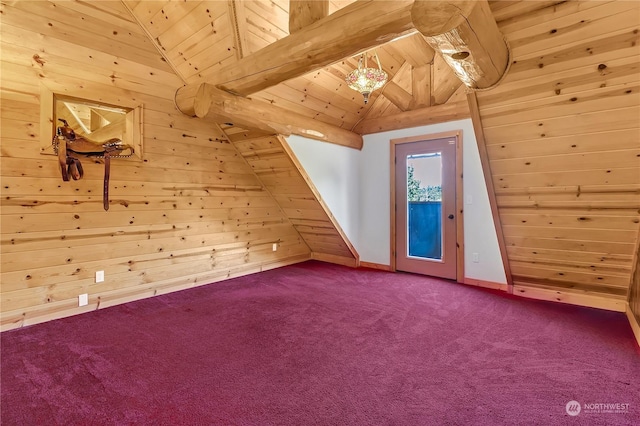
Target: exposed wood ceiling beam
<point x="303" y="13"/>
<point x="421" y="85"/>
<point x="225" y="107"/>
<point x="467" y="35"/>
<point x="416" y="49"/>
<point x="366" y="24"/>
<point x="397" y="95"/>
<point x="351" y="30"/>
<point x="417" y="117"/>
<point x="463" y="31"/>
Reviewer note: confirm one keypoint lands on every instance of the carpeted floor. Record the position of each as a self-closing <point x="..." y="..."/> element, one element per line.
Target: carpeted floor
<point x="319" y="344"/>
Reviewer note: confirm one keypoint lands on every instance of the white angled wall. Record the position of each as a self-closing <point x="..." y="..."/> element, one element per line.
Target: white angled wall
<point x="355" y="186"/>
<point x="334" y="171"/>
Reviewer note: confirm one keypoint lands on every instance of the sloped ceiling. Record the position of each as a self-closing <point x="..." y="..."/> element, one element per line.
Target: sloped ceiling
<point x="197" y="38"/>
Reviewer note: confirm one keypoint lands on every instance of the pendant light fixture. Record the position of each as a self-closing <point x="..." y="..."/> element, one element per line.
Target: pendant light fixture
<point x="364" y="79"/>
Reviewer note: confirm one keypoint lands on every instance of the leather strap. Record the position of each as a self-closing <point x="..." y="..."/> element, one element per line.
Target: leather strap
<point x="62" y="157"/>
<point x="75" y="168"/>
<point x="105" y="193"/>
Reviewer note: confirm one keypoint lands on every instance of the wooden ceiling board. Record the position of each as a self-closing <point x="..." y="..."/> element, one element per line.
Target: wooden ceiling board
<point x="576" y="29"/>
<point x="544" y="13"/>
<point x="377" y="107"/>
<point x="104" y="34"/>
<point x="211" y="56"/>
<point x="328" y="97"/>
<point x="309" y="96"/>
<point x="309" y="106"/>
<point x="460" y="95"/>
<point x="169" y="15"/>
<point x="145" y="10"/>
<point x="332" y="79"/>
<point x="504" y="9"/>
<point x="444" y="82"/>
<point x="192" y="45"/>
<point x="200" y="17"/>
<point x="275" y="16"/>
<point x="266" y="22"/>
<point x="101" y="10"/>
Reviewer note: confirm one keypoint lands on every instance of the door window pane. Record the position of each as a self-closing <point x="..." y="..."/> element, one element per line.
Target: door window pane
<point x="424" y="205"/>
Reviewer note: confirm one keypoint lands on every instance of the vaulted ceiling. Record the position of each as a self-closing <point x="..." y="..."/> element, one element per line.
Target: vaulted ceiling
<point x="201" y="39"/>
<point x="198" y="38"/>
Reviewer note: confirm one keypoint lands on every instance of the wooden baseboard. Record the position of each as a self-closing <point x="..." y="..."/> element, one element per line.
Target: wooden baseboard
<point x="38" y="314"/>
<point x="573" y="298"/>
<point x="331" y="258"/>
<point x="485" y="284"/>
<point x="378" y="266"/>
<point x="633" y="321"/>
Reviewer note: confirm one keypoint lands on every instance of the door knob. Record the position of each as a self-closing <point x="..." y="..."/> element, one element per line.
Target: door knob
<point x="450" y="216"/>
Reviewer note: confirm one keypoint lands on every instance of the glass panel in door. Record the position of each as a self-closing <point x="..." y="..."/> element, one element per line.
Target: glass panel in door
<point x="424" y="206"/>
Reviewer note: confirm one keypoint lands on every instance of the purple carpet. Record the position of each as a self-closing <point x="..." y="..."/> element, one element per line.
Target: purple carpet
<point x="319" y="344"/>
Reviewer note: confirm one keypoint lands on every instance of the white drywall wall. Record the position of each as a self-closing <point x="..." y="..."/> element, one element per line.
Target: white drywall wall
<point x="333" y="169"/>
<point x="355" y="186"/>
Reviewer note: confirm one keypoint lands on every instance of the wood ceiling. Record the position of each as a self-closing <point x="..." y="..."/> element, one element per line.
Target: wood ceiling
<point x="198" y="38"/>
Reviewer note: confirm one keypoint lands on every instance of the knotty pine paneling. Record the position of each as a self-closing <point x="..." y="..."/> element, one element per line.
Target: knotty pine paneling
<point x="192" y="211"/>
<point x="634" y="291"/>
<point x="563" y="140"/>
<point x="278" y="169"/>
<point x="194" y="36"/>
<point x="199" y="37"/>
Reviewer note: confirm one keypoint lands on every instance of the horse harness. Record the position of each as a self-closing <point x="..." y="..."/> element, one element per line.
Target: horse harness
<point x="68" y="147"/>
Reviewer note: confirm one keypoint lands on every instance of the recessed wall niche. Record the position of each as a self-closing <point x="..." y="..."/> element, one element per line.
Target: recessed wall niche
<point x="91" y="119"/>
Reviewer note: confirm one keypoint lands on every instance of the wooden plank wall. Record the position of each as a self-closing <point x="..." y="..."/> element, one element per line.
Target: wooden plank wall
<point x="634" y="291"/>
<point x="563" y="133"/>
<point x="191" y="212"/>
<point x="280" y="172"/>
<point x="194" y="36"/>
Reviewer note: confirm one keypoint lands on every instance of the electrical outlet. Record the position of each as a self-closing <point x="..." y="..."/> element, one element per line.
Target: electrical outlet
<point x="99" y="276"/>
<point x="275" y="246"/>
<point x="83" y="299"/>
<point x="476" y="258"/>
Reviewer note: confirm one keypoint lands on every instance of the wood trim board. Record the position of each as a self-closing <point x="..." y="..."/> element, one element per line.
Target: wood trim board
<point x="488" y="178"/>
